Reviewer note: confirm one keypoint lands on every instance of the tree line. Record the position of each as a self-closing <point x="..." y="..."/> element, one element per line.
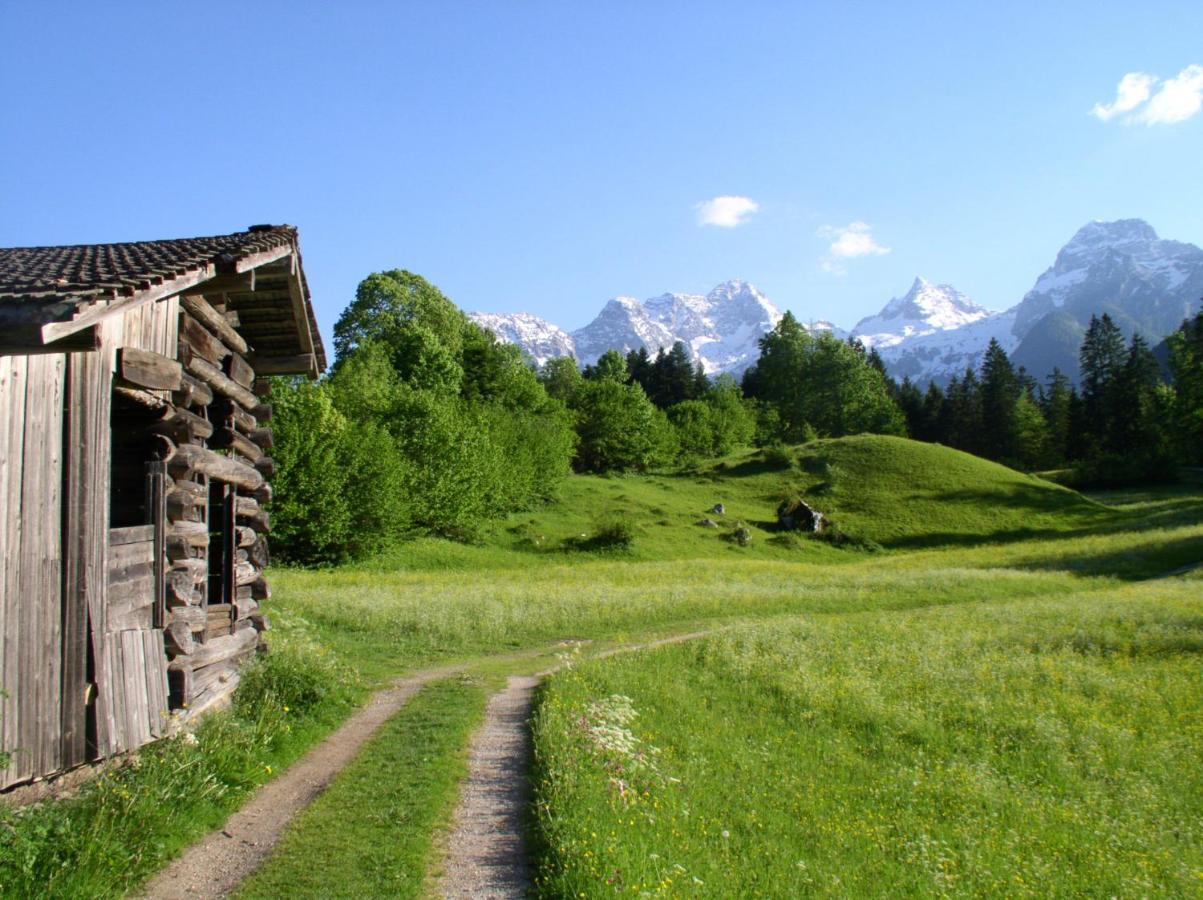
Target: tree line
<point x="426" y="423"/>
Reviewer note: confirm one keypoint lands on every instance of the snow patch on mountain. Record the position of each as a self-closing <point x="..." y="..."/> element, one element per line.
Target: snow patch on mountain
<point x="538" y="338"/>
<point x="925" y="309"/>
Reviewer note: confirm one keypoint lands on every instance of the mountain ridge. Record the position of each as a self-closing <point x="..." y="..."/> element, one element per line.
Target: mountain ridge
<point x="934" y="331"/>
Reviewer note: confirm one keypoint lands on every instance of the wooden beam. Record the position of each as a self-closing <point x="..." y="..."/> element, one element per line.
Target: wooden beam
<point x="147" y="369"/>
<point x="199" y="307"/>
<point x="189" y="458"/>
<point x="145" y="399"/>
<point x="304" y="364"/>
<point x="240" y="371"/>
<point x="228" y="438"/>
<point x="182" y="426"/>
<point x="300" y="311"/>
<point x="192" y="392"/>
<point x="202" y="342"/>
<point x="219" y="649"/>
<point x="26" y="342"/>
<point x="255" y="260"/>
<point x="232" y="281"/>
<point x="102" y="310"/>
<point x="219" y="381"/>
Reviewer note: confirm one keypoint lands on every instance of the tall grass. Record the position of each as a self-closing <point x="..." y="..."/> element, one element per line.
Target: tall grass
<point x="1040" y="747"/>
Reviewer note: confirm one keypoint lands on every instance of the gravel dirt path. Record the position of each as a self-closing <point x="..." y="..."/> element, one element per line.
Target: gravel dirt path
<point x="487" y="854"/>
<point x="214" y="866"/>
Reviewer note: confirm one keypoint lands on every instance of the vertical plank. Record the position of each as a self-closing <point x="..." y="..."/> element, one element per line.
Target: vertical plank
<point x="94" y="533"/>
<point x="75" y="589"/>
<point x="37" y="593"/>
<point x="12" y="427"/>
<point x="156" y="676"/>
<point x="171" y="315"/>
<point x="42" y="538"/>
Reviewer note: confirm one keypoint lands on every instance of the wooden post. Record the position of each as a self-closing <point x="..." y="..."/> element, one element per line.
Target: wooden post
<point x="156" y="513"/>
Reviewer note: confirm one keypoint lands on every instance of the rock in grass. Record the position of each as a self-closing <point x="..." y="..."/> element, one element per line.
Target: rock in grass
<point x="719" y="508"/>
<point x="795" y="514"/>
<point x="708" y="523"/>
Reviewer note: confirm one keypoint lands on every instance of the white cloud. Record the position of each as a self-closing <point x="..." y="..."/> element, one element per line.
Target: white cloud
<point x="1143" y="98"/>
<point x="726" y="211"/>
<point x="1134" y="89"/>
<point x="852" y="240"/>
<point x="1178" y="100"/>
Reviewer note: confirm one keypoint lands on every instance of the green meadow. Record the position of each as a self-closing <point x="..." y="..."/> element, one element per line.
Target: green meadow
<point x="984" y="683"/>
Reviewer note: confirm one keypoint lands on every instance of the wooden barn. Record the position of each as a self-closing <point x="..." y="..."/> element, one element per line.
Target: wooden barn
<point x="134" y="456"/>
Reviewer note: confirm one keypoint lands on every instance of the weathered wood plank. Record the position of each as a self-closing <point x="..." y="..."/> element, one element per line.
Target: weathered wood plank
<point x="39" y="561"/>
<point x="239" y="418"/>
<point x="303" y="364"/>
<point x="228" y="438"/>
<point x="219" y="648"/>
<point x="193" y="392"/>
<point x="217" y="379"/>
<point x="263" y="437"/>
<point x="12" y="423"/>
<point x="182" y="426"/>
<point x="240" y="370"/>
<point x="156" y="677"/>
<point x="133" y="534"/>
<point x="200" y="308"/>
<point x="149" y="370"/>
<point x="201" y="341"/>
<point x="23" y="342"/>
<point x="189" y="458"/>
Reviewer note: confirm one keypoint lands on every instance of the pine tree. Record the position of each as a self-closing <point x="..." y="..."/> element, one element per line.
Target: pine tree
<point x="1000" y="390"/>
<point x="1101" y="359"/>
<point x="933" y="414"/>
<point x="1135" y="421"/>
<point x="1055" y="405"/>
<point x="910" y="401"/>
<point x="639" y="368"/>
<point x="1186" y="366"/>
<point x="963" y="405"/>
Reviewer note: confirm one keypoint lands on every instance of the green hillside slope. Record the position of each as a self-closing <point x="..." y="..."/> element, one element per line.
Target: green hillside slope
<point x="891" y="491"/>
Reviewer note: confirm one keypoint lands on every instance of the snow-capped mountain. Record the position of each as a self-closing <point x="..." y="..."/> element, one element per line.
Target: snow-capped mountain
<point x="934" y="331"/>
<point x="538" y="338"/>
<point x="1146" y="284"/>
<point x="925" y="309"/>
<point x="721" y="329"/>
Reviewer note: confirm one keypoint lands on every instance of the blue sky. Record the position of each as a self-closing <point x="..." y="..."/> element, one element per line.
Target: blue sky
<point x="547" y="156"/>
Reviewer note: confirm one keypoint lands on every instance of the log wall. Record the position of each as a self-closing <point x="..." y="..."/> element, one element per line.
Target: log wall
<point x="106" y="630"/>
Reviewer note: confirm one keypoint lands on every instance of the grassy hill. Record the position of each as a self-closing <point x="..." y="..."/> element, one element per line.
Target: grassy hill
<point x="890" y="491"/>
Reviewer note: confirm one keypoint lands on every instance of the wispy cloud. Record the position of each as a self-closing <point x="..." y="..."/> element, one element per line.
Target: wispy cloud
<point x="1149" y="100"/>
<point x="726" y="211"/>
<point x="848" y="242"/>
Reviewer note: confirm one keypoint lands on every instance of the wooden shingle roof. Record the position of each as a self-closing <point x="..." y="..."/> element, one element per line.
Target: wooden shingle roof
<point x="58" y="290"/>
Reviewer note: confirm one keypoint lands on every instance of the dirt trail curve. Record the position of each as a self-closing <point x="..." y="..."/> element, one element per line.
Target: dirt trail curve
<point x="213" y="867"/>
<point x="487" y="855"/>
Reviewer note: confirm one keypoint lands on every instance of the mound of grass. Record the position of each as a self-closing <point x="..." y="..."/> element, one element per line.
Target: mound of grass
<point x="902" y="493"/>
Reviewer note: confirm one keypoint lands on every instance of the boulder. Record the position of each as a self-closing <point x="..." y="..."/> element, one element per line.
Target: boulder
<point x="708" y="523"/>
<point x="795" y="514"/>
<point x="719" y="508"/>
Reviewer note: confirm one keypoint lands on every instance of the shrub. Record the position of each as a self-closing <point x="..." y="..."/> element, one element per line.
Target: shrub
<point x="778" y="456"/>
<point x="610" y="535"/>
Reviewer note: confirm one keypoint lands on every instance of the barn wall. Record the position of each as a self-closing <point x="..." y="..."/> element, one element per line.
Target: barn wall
<point x="54" y="551"/>
<point x="72" y="612"/>
<point x="31" y="452"/>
